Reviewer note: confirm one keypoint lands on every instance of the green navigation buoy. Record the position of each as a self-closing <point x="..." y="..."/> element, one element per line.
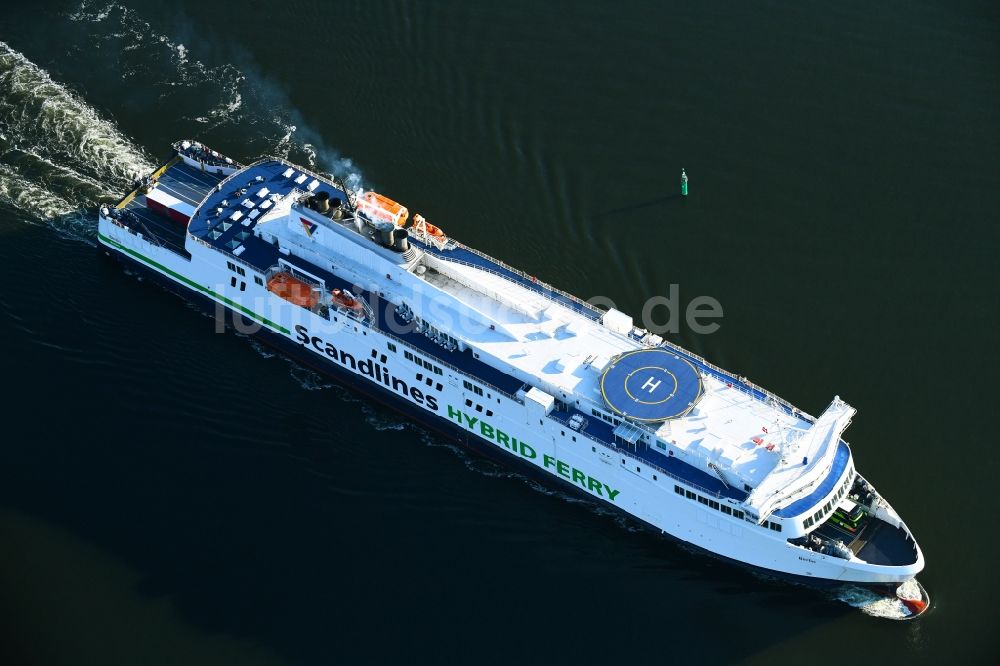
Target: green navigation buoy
<point x="684" y="183"/>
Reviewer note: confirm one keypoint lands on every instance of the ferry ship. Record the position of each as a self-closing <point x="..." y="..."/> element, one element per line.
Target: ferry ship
<point x="349" y="283"/>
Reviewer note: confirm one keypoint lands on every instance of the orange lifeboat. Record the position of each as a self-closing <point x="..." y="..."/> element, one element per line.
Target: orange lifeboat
<point x="379" y="208"/>
<point x="420" y="224"/>
<point x="345" y="300"/>
<point x="292" y="290"/>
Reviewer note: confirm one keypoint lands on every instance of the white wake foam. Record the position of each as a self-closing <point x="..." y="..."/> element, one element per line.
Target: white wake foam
<point x="874" y="604"/>
<point x="58" y="156"/>
<point x="21" y="194"/>
<point x="44" y="118"/>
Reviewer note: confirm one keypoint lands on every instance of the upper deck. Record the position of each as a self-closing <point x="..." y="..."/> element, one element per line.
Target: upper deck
<point x="227" y="217"/>
<point x="532" y="334"/>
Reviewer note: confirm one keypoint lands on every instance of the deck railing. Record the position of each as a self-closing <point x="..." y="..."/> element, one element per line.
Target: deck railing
<point x="544" y="285"/>
<point x="229" y="254"/>
<point x="493" y="271"/>
<point x="625" y="452"/>
<point x="421" y="352"/>
<point x="453" y="368"/>
<point x="148" y="236"/>
<point x="741" y="383"/>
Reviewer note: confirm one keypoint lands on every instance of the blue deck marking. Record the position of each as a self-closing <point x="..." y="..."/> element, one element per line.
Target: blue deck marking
<point x="651" y="385"/>
<point x="208" y="219"/>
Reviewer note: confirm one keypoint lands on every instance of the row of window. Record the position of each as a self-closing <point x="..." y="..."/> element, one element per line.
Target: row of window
<point x="479" y="408"/>
<point x="239" y="270"/>
<point x="712" y="504"/>
<point x="718" y="506"/>
<point x="609" y="419"/>
<point x="410" y="356"/>
<point x="437" y="334"/>
<point x="614" y="420"/>
<point x="469" y="386"/>
<point x="429" y="380"/>
<point x="831" y="505"/>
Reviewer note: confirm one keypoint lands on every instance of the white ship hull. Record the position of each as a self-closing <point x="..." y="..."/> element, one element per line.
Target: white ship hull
<point x="518" y="430"/>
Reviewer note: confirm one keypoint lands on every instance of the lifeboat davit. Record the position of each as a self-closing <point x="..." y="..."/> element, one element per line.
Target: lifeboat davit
<point x="345" y="299"/>
<point x="292" y="290"/>
<point x="420" y="224"/>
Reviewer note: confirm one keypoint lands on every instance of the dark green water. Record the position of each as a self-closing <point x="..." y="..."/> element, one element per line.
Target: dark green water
<point x="169" y="495"/>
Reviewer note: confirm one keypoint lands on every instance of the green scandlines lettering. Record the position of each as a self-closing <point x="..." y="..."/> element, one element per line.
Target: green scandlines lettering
<point x="526" y="451"/>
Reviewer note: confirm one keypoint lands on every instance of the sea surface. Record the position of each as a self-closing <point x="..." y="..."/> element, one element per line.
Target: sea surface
<point x="170" y="495"/>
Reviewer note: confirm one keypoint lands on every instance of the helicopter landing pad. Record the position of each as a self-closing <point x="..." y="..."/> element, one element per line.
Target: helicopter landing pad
<point x="651" y="385"/>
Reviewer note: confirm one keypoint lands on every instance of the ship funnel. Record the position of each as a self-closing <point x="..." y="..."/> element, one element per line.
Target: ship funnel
<point x="401" y="244"/>
<point x="384" y="233"/>
<point x="336" y="208"/>
<point x="320" y="202"/>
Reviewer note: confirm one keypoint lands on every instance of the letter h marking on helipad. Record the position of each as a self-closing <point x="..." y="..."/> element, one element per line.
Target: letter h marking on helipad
<point x="651" y="384"/>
